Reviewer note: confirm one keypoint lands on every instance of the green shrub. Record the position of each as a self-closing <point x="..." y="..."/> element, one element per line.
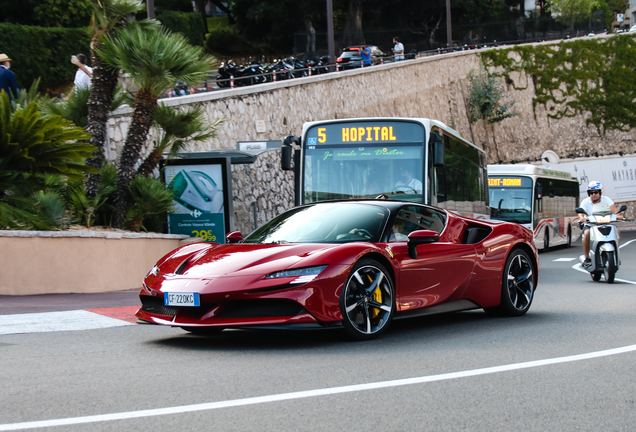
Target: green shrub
<point x="226" y="42"/>
<point x="43" y="52"/>
<point x="188" y="23"/>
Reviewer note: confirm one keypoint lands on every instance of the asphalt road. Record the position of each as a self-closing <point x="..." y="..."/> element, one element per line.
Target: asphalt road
<point x="566" y="365"/>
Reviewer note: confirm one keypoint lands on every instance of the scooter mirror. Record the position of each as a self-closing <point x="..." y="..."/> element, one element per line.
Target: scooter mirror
<point x="623" y="208"/>
<point x="580" y="210"/>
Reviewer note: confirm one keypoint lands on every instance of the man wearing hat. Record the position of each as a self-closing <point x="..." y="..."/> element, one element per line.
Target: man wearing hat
<point x="8" y="83"/>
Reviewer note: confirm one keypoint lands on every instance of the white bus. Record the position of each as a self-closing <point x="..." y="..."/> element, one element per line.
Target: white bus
<point x="542" y="200"/>
<point x="418" y="160"/>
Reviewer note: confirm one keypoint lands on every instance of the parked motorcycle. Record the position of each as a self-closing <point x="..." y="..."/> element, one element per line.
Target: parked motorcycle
<point x="243" y="75"/>
<point x="604" y="242"/>
<point x="319" y="65"/>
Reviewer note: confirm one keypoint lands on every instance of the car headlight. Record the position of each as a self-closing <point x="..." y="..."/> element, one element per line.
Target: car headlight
<point x="153" y="271"/>
<point x="303" y="275"/>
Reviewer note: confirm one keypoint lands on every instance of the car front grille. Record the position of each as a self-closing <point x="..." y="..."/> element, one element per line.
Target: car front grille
<point x="154" y="305"/>
<point x="266" y="308"/>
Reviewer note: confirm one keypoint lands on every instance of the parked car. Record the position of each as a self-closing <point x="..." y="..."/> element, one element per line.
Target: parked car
<point x="351" y="58"/>
<point x="353" y="265"/>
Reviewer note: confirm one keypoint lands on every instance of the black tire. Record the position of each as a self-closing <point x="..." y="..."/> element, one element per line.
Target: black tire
<point x="609" y="267"/>
<point x="546" y="240"/>
<point x="517" y="285"/>
<point x="367" y="301"/>
<point x="569" y="237"/>
<point x="203" y="331"/>
<point x="596" y="276"/>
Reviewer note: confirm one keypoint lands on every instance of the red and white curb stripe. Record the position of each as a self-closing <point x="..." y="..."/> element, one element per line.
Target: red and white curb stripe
<point x="67" y="320"/>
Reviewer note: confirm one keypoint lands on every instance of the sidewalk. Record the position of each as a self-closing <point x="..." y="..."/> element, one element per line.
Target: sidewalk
<point x="23" y="304"/>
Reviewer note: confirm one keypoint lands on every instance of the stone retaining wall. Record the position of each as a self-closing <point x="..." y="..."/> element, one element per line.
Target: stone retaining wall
<point x="434" y="87"/>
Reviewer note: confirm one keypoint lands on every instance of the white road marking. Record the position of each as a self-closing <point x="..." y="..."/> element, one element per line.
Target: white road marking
<point x="311" y="393"/>
<point x="56" y="321"/>
<point x="578" y="267"/>
<point x="564" y="259"/>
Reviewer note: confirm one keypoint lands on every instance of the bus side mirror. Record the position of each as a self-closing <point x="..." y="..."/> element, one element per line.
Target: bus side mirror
<point x="438" y="150"/>
<point x="286" y="157"/>
<point x="286" y="152"/>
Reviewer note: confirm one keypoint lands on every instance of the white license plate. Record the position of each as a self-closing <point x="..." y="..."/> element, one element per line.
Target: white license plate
<point x="181" y="299"/>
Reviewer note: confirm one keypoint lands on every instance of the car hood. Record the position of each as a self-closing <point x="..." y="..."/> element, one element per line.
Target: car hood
<point x="245" y="259"/>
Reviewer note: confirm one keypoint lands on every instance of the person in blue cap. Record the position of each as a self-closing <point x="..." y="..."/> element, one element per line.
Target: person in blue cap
<point x="595" y="197"/>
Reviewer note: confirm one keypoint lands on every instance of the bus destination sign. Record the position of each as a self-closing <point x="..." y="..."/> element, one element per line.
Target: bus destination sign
<point x="505" y="182"/>
<point x="380" y="132"/>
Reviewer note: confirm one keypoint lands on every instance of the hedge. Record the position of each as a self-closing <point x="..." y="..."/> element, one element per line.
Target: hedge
<point x="188" y="23"/>
<point x="43" y="52"/>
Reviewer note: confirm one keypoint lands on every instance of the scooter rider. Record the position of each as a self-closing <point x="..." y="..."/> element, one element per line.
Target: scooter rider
<point x="595" y="196"/>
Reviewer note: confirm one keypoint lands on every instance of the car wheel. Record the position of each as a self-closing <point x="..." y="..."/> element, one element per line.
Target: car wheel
<point x="596" y="276"/>
<point x="609" y="267"/>
<point x="569" y="238"/>
<point x="546" y="240"/>
<point x="367" y="302"/>
<point x="203" y="331"/>
<point x="517" y="286"/>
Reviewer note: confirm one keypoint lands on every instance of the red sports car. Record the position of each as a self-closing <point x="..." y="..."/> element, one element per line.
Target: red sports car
<point x="351" y="264"/>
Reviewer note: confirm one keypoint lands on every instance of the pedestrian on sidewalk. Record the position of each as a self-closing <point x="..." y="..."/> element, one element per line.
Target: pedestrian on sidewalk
<point x="8" y="81"/>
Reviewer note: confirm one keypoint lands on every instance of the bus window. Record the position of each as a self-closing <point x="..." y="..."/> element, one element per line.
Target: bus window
<point x="511" y="199"/>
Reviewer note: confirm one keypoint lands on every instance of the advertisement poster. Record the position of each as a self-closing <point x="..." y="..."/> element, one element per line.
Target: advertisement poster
<point x="617" y="174"/>
<point x="198" y="198"/>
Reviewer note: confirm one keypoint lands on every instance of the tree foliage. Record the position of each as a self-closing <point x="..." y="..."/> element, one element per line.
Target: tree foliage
<point x="485" y="100"/>
<point x="47" y="13"/>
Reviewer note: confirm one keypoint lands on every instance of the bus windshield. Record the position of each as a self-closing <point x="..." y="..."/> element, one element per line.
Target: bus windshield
<point x="364" y="159"/>
<point x="511" y="199"/>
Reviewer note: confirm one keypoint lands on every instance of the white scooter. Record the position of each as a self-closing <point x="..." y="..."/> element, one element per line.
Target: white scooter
<point x="605" y="239"/>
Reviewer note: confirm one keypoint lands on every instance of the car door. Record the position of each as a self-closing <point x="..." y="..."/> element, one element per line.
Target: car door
<point x="441" y="269"/>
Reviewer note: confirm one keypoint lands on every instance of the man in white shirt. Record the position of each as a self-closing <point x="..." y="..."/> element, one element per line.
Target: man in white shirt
<point x="595" y="196"/>
<point x="84" y="73"/>
<point x="398" y="49"/>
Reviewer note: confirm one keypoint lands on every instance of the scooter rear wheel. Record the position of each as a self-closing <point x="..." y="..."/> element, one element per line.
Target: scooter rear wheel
<point x="609" y="265"/>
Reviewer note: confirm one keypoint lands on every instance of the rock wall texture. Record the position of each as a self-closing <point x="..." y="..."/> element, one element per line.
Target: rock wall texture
<point x="434" y="87"/>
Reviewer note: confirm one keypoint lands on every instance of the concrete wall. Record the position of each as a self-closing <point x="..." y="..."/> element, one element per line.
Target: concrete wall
<point x="45" y="262"/>
<point x="434" y="87"/>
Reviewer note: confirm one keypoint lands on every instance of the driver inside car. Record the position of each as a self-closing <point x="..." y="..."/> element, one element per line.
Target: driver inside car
<point x="407" y="183"/>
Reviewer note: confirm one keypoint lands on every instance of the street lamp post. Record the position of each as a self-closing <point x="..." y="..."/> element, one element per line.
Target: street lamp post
<point x="330" y="48"/>
<point x="150" y="7"/>
<point x="449" y="30"/>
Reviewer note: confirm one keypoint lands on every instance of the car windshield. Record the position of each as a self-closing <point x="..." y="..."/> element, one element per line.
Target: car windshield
<point x="324" y="223"/>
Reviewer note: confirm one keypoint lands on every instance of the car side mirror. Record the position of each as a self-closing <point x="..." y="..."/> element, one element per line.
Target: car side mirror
<point x="581" y="210"/>
<point x="420" y="237"/>
<point x="234" y="237"/>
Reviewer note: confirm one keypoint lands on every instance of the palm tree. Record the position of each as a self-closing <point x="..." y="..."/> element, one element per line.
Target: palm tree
<point x="33" y="144"/>
<point x="177" y="131"/>
<point x="155" y="60"/>
<point x="108" y="17"/>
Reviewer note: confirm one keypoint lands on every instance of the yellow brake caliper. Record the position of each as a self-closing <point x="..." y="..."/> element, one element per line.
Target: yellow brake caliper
<point x="377" y="296"/>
